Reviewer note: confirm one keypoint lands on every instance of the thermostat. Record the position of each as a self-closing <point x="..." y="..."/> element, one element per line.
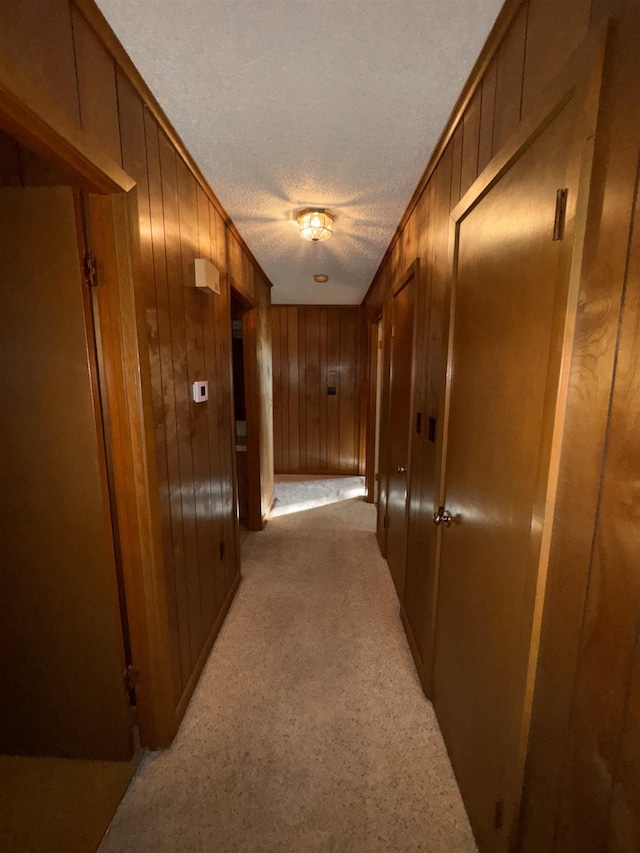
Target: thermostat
<point x="200" y="391"/>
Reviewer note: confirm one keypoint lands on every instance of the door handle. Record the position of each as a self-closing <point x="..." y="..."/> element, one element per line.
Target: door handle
<point x="442" y="516"/>
<point x="401" y="469"/>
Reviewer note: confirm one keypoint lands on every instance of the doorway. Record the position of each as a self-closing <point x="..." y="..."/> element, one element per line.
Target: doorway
<point x="238" y="312"/>
<point x="247" y="415"/>
<point x="63" y="623"/>
<point x="379" y="337"/>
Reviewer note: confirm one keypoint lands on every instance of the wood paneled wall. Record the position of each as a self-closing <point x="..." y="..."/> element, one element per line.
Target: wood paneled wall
<point x="316" y="348"/>
<point x="581" y="785"/>
<point x="63" y="60"/>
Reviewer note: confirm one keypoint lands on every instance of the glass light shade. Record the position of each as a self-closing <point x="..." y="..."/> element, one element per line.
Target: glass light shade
<point x="315" y="224"/>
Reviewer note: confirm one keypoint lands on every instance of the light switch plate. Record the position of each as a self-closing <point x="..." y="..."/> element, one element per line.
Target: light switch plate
<point x="200" y="391"/>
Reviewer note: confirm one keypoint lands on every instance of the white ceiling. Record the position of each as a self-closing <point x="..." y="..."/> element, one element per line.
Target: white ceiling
<point x="289" y="103"/>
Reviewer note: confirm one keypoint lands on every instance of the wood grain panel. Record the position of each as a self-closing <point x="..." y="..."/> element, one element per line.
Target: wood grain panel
<point x="470" y="142"/>
<point x="163" y="385"/>
<point x="487" y="112"/>
<point x="36" y="42"/>
<point x="151" y="229"/>
<point x="549" y="48"/>
<point x="612" y="614"/>
<point x="97" y="88"/>
<point x="593" y="773"/>
<point x="10" y="175"/>
<point x="508" y="106"/>
<point x="60" y="621"/>
<point x="456" y="163"/>
<point x="179" y="332"/>
<point x="316" y="348"/>
<point x="293" y="423"/>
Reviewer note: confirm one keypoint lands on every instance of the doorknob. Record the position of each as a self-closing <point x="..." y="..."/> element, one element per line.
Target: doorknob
<point x="401" y="469"/>
<point x="442" y="516"/>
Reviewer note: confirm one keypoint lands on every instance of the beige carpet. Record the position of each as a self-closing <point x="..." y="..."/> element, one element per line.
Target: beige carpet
<point x="308" y="730"/>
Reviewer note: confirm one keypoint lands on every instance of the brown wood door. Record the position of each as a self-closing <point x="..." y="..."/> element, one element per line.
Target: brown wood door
<point x="508" y="316"/>
<point x="402" y="309"/>
<point x="62" y="660"/>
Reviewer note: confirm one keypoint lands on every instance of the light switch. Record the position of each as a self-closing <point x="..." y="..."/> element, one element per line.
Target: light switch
<point x="200" y="391"/>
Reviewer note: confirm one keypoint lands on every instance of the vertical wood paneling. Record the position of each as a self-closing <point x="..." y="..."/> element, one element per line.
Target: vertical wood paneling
<point x="207" y="517"/>
<point x="277" y="391"/>
<point x="302" y="386"/>
<point x="97" y="88"/>
<point x="10" y="175"/>
<point x="36" y="38"/>
<point x="548" y="49"/>
<point x="333" y="403"/>
<point x="169" y="176"/>
<point x="139" y="159"/>
<point x="293" y="359"/>
<point x="456" y="164"/>
<point x="73" y="77"/>
<point x="162" y="377"/>
<point x="487" y="112"/>
<point x="508" y="106"/>
<point x="470" y="142"/>
<point x="312" y="382"/>
<point x="316" y="348"/>
<point x="347" y="389"/>
<point x="582" y="788"/>
<point x="284" y="391"/>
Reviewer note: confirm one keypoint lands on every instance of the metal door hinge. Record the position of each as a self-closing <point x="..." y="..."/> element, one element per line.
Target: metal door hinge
<point x="131" y="678"/>
<point x="561" y="213"/>
<point x="91" y="269"/>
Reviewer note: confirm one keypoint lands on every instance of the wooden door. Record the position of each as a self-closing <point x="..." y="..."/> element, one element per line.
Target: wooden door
<point x="507" y="321"/>
<point x="62" y="660"/>
<point x="402" y="309"/>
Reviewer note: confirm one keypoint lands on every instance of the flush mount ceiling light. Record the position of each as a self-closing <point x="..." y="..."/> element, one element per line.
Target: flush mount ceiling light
<point x="315" y="223"/>
<point x="321" y="278"/>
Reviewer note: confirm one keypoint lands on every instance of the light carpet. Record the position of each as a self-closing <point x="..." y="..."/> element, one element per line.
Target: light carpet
<point x="308" y="730"/>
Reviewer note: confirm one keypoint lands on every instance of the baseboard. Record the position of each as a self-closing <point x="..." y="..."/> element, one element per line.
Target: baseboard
<point x="204" y="654"/>
<point x="420" y="669"/>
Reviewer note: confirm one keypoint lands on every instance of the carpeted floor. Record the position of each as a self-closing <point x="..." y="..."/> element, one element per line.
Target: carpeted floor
<point x="308" y="730"/>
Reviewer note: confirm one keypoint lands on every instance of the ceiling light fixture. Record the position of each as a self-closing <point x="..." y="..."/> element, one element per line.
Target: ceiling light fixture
<point x="321" y="278"/>
<point x="315" y="223"/>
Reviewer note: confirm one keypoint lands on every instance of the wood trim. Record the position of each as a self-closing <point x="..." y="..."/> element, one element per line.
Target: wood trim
<point x="45" y="131"/>
<point x="204" y="654"/>
<point x="125" y="385"/>
<point x="490" y="49"/>
<point x="108" y="38"/>
<point x="256" y="519"/>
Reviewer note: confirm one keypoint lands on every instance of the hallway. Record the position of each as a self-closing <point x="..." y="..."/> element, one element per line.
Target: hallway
<point x="308" y="730"/>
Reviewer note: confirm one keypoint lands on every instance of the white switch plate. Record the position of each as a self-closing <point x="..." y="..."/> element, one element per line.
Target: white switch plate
<point x="200" y="391"/>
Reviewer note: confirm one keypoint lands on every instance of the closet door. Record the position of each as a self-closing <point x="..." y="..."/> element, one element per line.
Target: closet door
<point x="402" y="307"/>
<point x="508" y="310"/>
<point x="61" y="645"/>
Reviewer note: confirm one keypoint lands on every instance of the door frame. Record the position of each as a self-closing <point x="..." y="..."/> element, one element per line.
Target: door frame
<point x="256" y="520"/>
<point x="582" y="80"/>
<point x="411" y="273"/>
<point x="121" y="340"/>
<point x="374" y="402"/>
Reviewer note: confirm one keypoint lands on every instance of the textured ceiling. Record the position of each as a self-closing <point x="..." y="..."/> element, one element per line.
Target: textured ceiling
<point x="289" y="103"/>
